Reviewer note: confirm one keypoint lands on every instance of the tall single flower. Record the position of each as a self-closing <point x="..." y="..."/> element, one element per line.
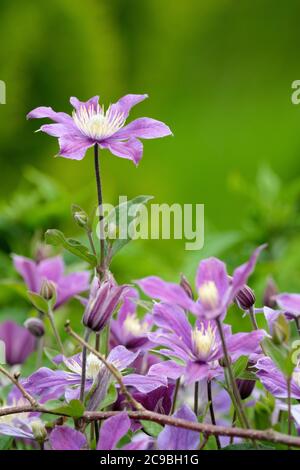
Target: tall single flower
<point x="196" y="349"/>
<point x="90" y="124"/>
<point x="215" y="290"/>
<point x="51" y="269"/>
<point x="19" y="342"/>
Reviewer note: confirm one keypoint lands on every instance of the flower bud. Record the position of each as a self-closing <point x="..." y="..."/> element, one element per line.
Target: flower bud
<point x="80" y="216"/>
<point x="269" y="295"/>
<point x="245" y="387"/>
<point x="222" y="361"/>
<point x="48" y="289"/>
<point x="280" y="330"/>
<point x="35" y="326"/>
<point x="186" y="286"/>
<point x="38" y="430"/>
<point x="103" y="301"/>
<point x="245" y="298"/>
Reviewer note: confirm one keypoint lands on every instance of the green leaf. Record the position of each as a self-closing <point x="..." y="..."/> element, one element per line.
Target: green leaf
<point x="240" y="365"/>
<point x="57" y="238"/>
<point x="5" y="442"/>
<point x="123" y="216"/>
<point x="247" y="446"/>
<point x="38" y="302"/>
<point x="51" y="353"/>
<point x="111" y="397"/>
<point x="151" y="428"/>
<point x="280" y="355"/>
<point x="74" y="409"/>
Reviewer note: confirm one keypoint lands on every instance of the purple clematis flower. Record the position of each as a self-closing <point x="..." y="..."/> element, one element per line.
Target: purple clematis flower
<point x="19" y="342"/>
<point x="51" y="269"/>
<point x="196" y="350"/>
<point x="216" y="291"/>
<point x="274" y="380"/>
<point x="91" y="125"/>
<point x="127" y="329"/>
<point x="47" y="384"/>
<point x="23" y="426"/>
<point x="111" y="432"/>
<point x="290" y="303"/>
<point x="172" y="438"/>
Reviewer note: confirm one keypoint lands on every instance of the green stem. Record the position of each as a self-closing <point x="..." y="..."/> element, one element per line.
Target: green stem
<point x="212" y="412"/>
<point x="55" y="330"/>
<point x="289" y="406"/>
<point x="83" y="370"/>
<point x="101" y="267"/>
<point x="175" y="396"/>
<point x="253" y="318"/>
<point x="237" y="398"/>
<point x="104" y="340"/>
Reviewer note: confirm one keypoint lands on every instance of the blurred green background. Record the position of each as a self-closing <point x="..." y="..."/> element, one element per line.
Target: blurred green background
<point x="218" y="72"/>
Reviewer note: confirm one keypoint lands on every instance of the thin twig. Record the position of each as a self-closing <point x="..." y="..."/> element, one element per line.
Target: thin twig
<point x="15" y="381"/>
<point x="211" y="410"/>
<point x="108" y="365"/>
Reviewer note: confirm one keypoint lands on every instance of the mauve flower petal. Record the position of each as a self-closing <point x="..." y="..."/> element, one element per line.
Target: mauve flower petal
<point x="65" y="438"/>
<point x="74" y="146"/>
<point x="51" y="268"/>
<point x="71" y="285"/>
<point x="138" y="443"/>
<point x="14" y="431"/>
<point x="143" y="128"/>
<point x="167" y="292"/>
<point x="112" y="430"/>
<point x="174" y="319"/>
<point x="77" y="104"/>
<point x="175" y="438"/>
<point x="28" y="270"/>
<point x="169" y="369"/>
<point x="128" y="306"/>
<point x="124" y="104"/>
<point x="145" y="383"/>
<point x="131" y="149"/>
<point x="212" y="269"/>
<point x="47" y="112"/>
<point x="195" y="371"/>
<point x="59" y="130"/>
<point x="243" y="344"/>
<point x="121" y="358"/>
<point x="19" y="342"/>
<point x="289" y="302"/>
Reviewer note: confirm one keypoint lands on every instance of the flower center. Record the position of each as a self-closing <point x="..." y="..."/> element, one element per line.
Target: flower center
<point x="93" y="366"/>
<point x="204" y="341"/>
<point x="208" y="295"/>
<point x="134" y="326"/>
<point x="97" y="124"/>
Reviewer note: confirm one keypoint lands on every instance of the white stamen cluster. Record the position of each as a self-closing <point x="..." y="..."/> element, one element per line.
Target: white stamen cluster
<point x="204" y="341"/>
<point x="97" y="124"/>
<point x="134" y="326"/>
<point x="208" y="295"/>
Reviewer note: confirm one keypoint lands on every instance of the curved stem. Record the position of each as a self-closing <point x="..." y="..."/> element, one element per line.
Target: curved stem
<point x="83" y="368"/>
<point x="253" y="318"/>
<point x="212" y="412"/>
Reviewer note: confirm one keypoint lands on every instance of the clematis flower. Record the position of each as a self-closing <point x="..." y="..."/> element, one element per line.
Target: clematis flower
<point x="196" y="350"/>
<point x="91" y="125"/>
<point x="51" y="269"/>
<point x="127" y="329"/>
<point x="175" y="438"/>
<point x="22" y="425"/>
<point x="19" y="342"/>
<point x="47" y="384"/>
<point x="290" y="303"/>
<point x="103" y="300"/>
<point x="274" y="380"/>
<point x="111" y="432"/>
<point x="216" y="291"/>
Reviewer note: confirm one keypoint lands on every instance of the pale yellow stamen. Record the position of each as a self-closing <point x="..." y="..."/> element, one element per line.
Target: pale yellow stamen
<point x="134" y="326"/>
<point x="204" y="341"/>
<point x="208" y="295"/>
<point x="97" y="124"/>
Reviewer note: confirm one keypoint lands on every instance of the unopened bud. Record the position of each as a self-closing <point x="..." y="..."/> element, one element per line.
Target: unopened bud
<point x="222" y="362"/>
<point x="245" y="387"/>
<point x="112" y="231"/>
<point x="80" y="216"/>
<point x="269" y="295"/>
<point x="35" y="326"/>
<point x="38" y="430"/>
<point x="48" y="289"/>
<point x="280" y="330"/>
<point x="186" y="286"/>
<point x="245" y="298"/>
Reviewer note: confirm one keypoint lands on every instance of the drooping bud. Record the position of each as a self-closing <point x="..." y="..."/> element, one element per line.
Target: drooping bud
<point x="269" y="294"/>
<point x="104" y="299"/>
<point x="186" y="286"/>
<point x="38" y="430"/>
<point x="35" y="326"/>
<point x="222" y="362"/>
<point x="280" y="330"/>
<point x="245" y="387"/>
<point x="48" y="289"/>
<point x="245" y="298"/>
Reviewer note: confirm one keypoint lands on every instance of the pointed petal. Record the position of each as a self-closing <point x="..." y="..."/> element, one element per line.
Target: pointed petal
<point x="77" y="104"/>
<point x="51" y="268"/>
<point x="74" y="146"/>
<point x="47" y="112"/>
<point x="212" y="269"/>
<point x="132" y="149"/>
<point x="169" y="369"/>
<point x="289" y="302"/>
<point x="143" y="128"/>
<point x="125" y="104"/>
<point x="28" y="270"/>
<point x="175" y="438"/>
<point x="112" y="430"/>
<point x="65" y="438"/>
